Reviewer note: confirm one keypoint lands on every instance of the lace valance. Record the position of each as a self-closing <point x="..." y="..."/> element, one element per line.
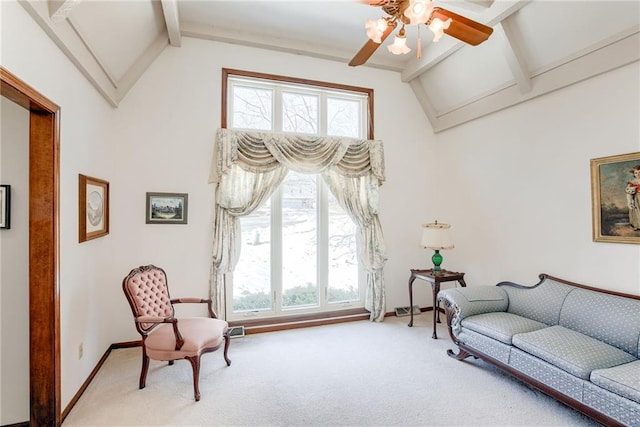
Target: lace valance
<point x="264" y="151"/>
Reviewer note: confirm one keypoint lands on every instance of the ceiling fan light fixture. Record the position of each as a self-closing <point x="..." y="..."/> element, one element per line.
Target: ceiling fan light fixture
<point x="437" y="26"/>
<point x="418" y="11"/>
<point x="375" y="29"/>
<point x="399" y="46"/>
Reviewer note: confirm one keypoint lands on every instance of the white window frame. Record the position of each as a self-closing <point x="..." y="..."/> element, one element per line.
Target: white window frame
<point x="324" y="91"/>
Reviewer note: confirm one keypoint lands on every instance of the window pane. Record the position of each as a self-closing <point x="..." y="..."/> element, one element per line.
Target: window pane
<point x="343" y="259"/>
<point x="299" y="241"/>
<point x="252" y="276"/>
<point x="299" y="113"/>
<point x="252" y="108"/>
<point x="343" y="118"/>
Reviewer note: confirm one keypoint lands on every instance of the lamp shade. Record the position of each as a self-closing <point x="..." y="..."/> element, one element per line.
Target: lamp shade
<point x="436" y="236"/>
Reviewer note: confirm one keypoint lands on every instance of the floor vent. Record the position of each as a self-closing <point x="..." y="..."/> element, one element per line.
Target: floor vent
<point x="404" y="311"/>
<point x="236" y="331"/>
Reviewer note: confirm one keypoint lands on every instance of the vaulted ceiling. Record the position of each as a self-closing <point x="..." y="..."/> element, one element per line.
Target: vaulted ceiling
<point x="536" y="47"/>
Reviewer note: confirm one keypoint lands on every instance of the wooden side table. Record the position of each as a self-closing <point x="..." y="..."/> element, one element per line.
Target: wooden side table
<point x="434" y="279"/>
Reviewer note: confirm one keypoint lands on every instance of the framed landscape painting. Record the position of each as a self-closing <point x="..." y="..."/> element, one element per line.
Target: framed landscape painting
<point x="615" y="194"/>
<point x="93" y="207"/>
<point x="167" y="208"/>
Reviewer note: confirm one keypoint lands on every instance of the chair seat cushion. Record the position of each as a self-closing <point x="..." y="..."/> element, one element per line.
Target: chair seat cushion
<point x="571" y="351"/>
<point x="501" y="326"/>
<point x="622" y="379"/>
<point x="199" y="333"/>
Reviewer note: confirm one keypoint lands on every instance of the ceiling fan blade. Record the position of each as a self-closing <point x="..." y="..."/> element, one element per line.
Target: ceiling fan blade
<point x="370" y="46"/>
<point x="375" y="2"/>
<point x="462" y="28"/>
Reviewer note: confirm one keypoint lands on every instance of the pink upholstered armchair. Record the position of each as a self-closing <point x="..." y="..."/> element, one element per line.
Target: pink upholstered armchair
<point x="165" y="337"/>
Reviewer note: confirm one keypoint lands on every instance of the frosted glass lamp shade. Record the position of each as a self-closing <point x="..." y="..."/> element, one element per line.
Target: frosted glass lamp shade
<point x="399" y="46"/>
<point x="375" y="29"/>
<point x="418" y="11"/>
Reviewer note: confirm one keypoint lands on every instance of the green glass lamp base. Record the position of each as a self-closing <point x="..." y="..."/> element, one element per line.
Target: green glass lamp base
<point x="437" y="260"/>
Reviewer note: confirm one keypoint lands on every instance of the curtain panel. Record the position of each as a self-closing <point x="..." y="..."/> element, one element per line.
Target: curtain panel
<point x="247" y="167"/>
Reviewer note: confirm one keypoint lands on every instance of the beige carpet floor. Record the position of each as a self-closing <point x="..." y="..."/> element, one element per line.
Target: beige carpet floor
<point x="351" y="374"/>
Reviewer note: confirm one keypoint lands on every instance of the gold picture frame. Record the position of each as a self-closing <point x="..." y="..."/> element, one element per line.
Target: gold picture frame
<point x="615" y="196"/>
<point x="93" y="208"/>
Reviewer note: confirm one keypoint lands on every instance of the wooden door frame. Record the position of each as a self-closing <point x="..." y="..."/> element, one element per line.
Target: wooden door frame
<point x="44" y="239"/>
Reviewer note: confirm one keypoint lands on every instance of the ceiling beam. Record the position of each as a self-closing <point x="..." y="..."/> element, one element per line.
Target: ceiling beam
<point x="59" y="9"/>
<point x="172" y="20"/>
<point x="74" y="25"/>
<point x="513" y="52"/>
<point x="207" y="32"/>
<point x="436" y="52"/>
<point x="67" y="40"/>
<point x="141" y="65"/>
<point x="423" y="100"/>
<point x="609" y="54"/>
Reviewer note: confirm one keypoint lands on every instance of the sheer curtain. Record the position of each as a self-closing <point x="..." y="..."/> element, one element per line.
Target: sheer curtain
<point x="248" y="166"/>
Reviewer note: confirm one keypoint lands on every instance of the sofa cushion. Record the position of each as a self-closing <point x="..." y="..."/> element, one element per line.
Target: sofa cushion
<point x="622" y="379"/>
<point x="541" y="302"/>
<point x="500" y="325"/>
<point x="608" y="318"/>
<point x="571" y="351"/>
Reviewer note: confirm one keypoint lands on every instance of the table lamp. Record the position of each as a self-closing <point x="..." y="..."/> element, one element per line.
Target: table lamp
<point x="437" y="237"/>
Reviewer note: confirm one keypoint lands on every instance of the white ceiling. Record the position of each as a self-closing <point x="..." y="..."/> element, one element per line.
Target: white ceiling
<point x="537" y="46"/>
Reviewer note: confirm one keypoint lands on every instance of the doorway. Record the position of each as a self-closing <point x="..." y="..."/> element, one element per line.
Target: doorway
<point x="44" y="295"/>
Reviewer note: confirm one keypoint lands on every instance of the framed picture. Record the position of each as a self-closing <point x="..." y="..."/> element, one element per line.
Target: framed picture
<point x="615" y="194"/>
<point x="93" y="208"/>
<point x="167" y="208"/>
<point x="5" y="206"/>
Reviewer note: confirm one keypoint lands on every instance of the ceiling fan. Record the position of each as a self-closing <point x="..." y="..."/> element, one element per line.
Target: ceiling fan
<point x="415" y="12"/>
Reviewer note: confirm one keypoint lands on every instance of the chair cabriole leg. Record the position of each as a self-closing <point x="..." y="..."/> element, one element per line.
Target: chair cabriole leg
<point x="195" y="364"/>
<point x="145" y="369"/>
<point x="227" y="341"/>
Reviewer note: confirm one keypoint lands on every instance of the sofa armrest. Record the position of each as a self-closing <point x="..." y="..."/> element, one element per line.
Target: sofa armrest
<point x="464" y="302"/>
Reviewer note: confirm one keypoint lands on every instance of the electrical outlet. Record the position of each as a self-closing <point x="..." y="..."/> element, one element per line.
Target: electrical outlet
<point x="80" y="351"/>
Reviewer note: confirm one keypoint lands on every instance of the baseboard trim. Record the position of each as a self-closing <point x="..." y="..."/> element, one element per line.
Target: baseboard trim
<point x="93" y="373"/>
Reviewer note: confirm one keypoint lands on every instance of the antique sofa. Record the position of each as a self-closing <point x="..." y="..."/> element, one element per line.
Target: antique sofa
<point x="576" y="343"/>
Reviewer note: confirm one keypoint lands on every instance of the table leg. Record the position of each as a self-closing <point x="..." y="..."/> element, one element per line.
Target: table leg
<point x="436" y="311"/>
<point x="411" y="279"/>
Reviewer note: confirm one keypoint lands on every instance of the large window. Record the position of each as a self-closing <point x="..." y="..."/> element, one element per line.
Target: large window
<point x="298" y="251"/>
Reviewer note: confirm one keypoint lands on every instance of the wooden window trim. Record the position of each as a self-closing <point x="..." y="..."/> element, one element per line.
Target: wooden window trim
<point x="227" y="72"/>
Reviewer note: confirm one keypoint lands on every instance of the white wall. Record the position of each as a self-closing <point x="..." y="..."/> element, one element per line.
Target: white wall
<point x="85" y="147"/>
<point x="14" y="266"/>
<point x="164" y="133"/>
<point x="516" y="186"/>
<point x="160" y="139"/>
